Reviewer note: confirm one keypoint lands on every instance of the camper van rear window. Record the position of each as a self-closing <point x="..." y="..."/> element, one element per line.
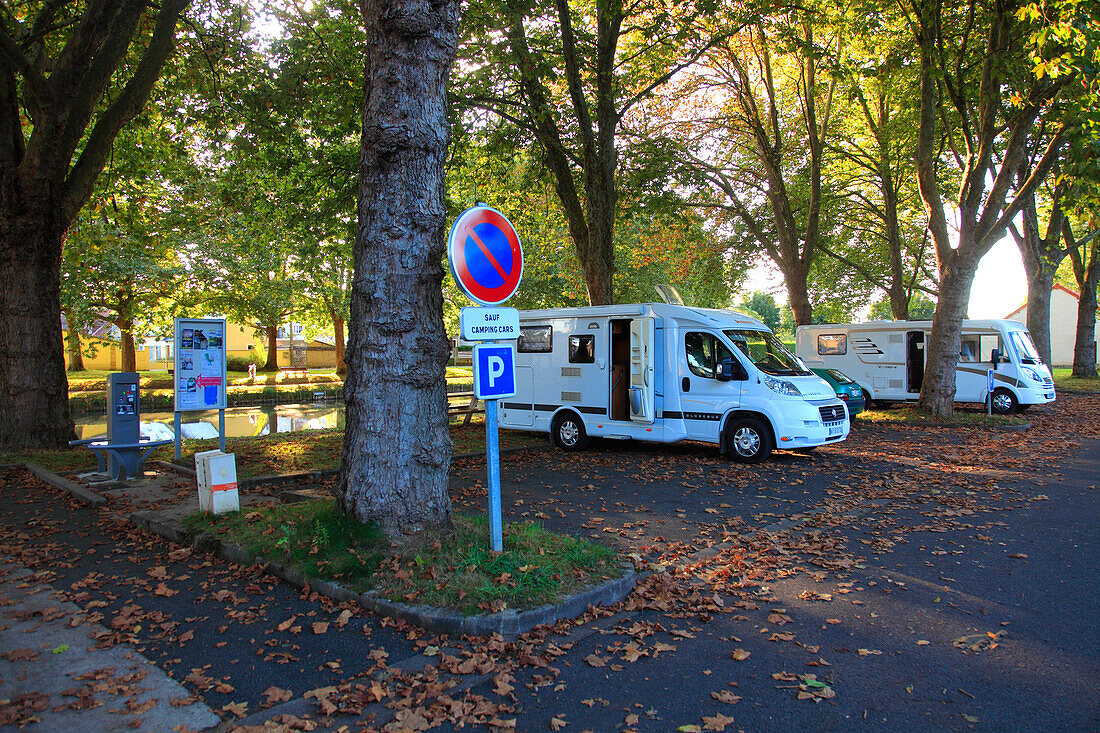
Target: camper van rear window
<point x="582" y="349"/>
<point x="535" y="340"/>
<point x="832" y="344"/>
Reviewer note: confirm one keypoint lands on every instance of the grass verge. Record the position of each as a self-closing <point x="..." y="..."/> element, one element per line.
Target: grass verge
<point x="265" y="455"/>
<point x="1064" y="379"/>
<point x="965" y="416"/>
<point x="452" y="568"/>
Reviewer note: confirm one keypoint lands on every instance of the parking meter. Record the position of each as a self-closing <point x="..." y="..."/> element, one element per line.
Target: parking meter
<point x="123" y="411"/>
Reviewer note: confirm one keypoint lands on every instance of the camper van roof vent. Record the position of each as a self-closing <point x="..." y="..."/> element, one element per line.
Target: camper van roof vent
<point x="669" y="294"/>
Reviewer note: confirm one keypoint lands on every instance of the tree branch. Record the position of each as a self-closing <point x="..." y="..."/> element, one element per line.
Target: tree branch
<point x="81" y="180"/>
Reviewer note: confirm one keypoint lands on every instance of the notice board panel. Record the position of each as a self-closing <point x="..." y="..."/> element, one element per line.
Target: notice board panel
<point x="199" y="379"/>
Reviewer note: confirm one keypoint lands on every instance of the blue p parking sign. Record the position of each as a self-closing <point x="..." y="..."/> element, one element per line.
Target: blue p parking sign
<point x="494" y="371"/>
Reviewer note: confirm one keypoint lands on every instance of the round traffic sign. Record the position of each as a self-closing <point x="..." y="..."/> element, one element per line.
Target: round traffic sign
<point x="485" y="255"/>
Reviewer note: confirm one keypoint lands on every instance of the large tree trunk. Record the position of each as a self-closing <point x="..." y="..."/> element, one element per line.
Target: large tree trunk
<point x="338" y="330"/>
<point x="1084" y="348"/>
<point x="73" y="346"/>
<point x="272" y="335"/>
<point x="34" y="390"/>
<point x="397" y="447"/>
<point x="798" y="294"/>
<point x="126" y="336"/>
<point x="1039" y="285"/>
<point x="937" y="393"/>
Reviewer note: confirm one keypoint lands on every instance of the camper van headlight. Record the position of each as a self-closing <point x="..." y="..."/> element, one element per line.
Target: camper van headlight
<point x="781" y="386"/>
<point x="1032" y="374"/>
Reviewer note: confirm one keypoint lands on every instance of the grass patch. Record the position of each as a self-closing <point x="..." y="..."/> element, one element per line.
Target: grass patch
<point x="453" y="568"/>
<point x="310" y="537"/>
<point x="963" y="417"/>
<point x="1064" y="379"/>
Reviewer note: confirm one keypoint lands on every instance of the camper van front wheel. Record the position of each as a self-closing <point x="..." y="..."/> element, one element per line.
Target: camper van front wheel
<point x="748" y="440"/>
<point x="1004" y="402"/>
<point x="568" y="432"/>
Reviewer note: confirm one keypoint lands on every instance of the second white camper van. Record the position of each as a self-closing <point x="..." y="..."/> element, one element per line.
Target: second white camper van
<point x="886" y="358"/>
<point x="666" y="373"/>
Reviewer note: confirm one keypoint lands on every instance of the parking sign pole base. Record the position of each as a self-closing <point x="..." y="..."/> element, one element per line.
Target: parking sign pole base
<point x="492" y="459"/>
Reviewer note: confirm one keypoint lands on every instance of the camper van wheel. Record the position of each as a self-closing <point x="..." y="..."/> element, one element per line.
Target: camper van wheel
<point x="568" y="432"/>
<point x="1004" y="402"/>
<point x="748" y="440"/>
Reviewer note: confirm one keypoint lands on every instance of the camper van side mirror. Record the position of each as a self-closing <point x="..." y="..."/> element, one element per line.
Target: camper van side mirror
<point x="995" y="357"/>
<point x="730" y="370"/>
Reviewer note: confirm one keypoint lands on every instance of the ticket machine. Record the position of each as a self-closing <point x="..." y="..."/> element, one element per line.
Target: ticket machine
<point x="123" y="413"/>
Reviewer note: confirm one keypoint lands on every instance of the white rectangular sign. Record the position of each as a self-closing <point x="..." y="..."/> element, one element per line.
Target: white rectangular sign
<point x="489" y="324"/>
<point x="199" y="376"/>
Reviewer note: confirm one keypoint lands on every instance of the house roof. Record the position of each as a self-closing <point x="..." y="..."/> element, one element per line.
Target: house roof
<point x="97" y="328"/>
<point x="1057" y="286"/>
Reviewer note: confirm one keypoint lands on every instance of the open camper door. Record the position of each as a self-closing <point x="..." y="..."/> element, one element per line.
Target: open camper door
<point x="641" y="370"/>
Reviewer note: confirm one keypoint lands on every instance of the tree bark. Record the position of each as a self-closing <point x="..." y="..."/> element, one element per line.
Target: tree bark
<point x="937" y="393"/>
<point x="34" y="389"/>
<point x="126" y="337"/>
<point x="1039" y="285"/>
<point x="73" y="345"/>
<point x="397" y="446"/>
<point x="1088" y="279"/>
<point x="338" y="330"/>
<point x="271" y="333"/>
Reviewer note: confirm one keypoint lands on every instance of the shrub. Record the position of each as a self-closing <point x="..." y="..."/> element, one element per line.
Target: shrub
<point x="237" y="363"/>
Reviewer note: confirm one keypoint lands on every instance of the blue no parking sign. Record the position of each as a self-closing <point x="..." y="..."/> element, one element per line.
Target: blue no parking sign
<point x="494" y="371"/>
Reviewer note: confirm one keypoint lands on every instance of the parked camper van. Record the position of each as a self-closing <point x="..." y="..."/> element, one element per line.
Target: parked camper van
<point x="886" y="358"/>
<point x="666" y="373"/>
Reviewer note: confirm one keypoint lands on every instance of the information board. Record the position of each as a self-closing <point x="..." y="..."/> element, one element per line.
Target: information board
<point x="199" y="378"/>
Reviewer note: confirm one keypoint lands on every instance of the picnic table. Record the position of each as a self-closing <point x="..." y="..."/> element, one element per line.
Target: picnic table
<point x="129" y="457"/>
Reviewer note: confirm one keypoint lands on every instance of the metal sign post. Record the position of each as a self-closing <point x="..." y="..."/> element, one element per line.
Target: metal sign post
<point x="486" y="260"/>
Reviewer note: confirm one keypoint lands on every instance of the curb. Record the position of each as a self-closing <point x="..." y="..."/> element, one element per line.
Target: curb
<point x="64" y="484"/>
<point x="432" y="618"/>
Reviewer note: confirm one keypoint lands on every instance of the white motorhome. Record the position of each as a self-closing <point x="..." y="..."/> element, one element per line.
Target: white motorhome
<point x="665" y="373"/>
<point x="886" y="358"/>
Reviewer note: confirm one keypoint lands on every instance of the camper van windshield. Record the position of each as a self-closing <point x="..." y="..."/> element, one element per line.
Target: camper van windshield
<point x="767" y="353"/>
<point x="1024" y="347"/>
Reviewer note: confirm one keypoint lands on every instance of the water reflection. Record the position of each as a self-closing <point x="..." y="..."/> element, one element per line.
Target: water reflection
<point x="240" y="421"/>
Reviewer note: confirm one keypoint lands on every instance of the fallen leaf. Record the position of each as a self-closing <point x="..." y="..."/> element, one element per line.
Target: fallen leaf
<point x="236" y="708"/>
<point x="558" y="722"/>
<point x="275" y="695"/>
<point x="725" y="696"/>
<point x="741" y="655"/>
<point x="717" y="722"/>
<point x="320" y="627"/>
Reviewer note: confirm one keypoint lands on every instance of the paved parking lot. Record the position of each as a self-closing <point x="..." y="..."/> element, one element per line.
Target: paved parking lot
<point x="934" y="579"/>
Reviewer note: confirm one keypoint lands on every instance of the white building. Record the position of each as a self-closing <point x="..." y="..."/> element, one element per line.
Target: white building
<point x="1063" y="324"/>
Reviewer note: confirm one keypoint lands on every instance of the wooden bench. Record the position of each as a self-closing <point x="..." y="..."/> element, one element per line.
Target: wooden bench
<point x="294" y="372"/>
<point x="465" y="411"/>
<point x="129" y="457"/>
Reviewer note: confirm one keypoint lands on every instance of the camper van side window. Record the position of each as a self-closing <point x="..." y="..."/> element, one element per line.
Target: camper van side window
<point x="832" y="344"/>
<point x="535" y="340"/>
<point x="582" y="349"/>
<point x="704" y="352"/>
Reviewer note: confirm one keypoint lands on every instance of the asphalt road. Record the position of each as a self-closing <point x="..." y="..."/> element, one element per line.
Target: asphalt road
<point x="926" y="579"/>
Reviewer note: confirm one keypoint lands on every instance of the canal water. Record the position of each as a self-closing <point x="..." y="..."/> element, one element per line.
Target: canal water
<point x="239" y="421"/>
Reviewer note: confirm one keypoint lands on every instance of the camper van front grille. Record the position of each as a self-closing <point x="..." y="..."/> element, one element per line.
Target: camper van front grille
<point x="831" y="413"/>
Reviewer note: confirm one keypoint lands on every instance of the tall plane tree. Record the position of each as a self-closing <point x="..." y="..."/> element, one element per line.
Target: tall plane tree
<point x="72" y="74"/>
<point x="770" y="135"/>
<point x="569" y="75"/>
<point x="397" y="448"/>
<point x="963" y="80"/>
